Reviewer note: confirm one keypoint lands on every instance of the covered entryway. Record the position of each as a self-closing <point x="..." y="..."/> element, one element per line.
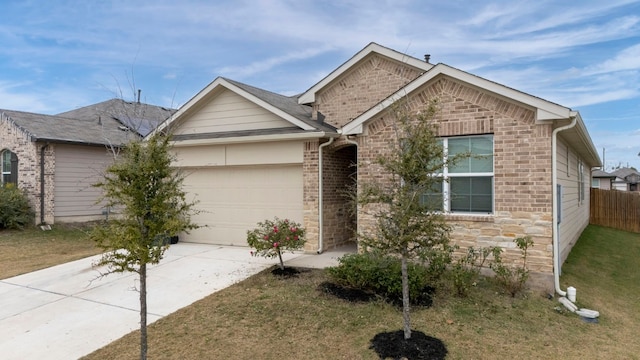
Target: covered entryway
<point x="233" y="199"/>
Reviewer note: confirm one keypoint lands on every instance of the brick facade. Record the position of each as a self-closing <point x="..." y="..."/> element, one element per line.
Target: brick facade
<point x="310" y="195"/>
<point x="522" y="167"/>
<point x="339" y="176"/>
<point x="28" y="153"/>
<point x="374" y="79"/>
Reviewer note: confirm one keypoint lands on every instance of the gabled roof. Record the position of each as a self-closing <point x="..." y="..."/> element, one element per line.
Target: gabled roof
<point x="140" y="117"/>
<point x="107" y="123"/>
<point x="310" y="95"/>
<point x="286" y="107"/>
<point x="58" y="129"/>
<point x="545" y="110"/>
<point x="623" y="173"/>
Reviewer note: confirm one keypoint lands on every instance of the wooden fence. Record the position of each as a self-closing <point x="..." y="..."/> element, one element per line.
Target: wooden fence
<point x="616" y="209"/>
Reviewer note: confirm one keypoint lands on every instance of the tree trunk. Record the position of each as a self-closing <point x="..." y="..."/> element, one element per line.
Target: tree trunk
<point x="280" y="257"/>
<point x="143" y="312"/>
<point x="405" y="298"/>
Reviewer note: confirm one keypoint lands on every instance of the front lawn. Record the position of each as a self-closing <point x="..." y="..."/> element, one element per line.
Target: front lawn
<point x="23" y="251"/>
<point x="265" y="317"/>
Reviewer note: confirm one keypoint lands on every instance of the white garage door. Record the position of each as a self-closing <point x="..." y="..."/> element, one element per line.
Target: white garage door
<point x="234" y="199"/>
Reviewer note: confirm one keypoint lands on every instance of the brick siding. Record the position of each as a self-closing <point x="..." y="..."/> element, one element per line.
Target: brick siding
<point x="28" y="153"/>
<point x="522" y="167"/>
<point x="359" y="89"/>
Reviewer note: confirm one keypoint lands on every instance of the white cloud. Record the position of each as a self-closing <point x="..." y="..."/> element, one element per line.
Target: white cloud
<point x="627" y="59"/>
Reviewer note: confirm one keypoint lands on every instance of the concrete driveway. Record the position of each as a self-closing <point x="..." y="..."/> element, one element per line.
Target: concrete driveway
<point x="67" y="311"/>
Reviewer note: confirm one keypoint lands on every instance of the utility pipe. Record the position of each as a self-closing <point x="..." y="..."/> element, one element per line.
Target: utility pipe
<point x="554" y="180"/>
<point x="320" y="202"/>
<point x="42" y="187"/>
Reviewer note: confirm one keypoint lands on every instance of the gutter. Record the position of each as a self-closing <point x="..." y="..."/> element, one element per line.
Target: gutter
<point x="320" y="202"/>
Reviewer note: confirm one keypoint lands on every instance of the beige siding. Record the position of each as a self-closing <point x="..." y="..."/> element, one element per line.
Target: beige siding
<point x="233" y="200"/>
<point x="289" y="152"/>
<point x="77" y="168"/>
<point x="228" y="111"/>
<point x="575" y="212"/>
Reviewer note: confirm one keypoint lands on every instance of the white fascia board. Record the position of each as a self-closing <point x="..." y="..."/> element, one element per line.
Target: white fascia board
<point x="310" y="95"/>
<point x="189" y="104"/>
<point x="221" y="82"/>
<point x="545" y="110"/>
<point x="299" y="123"/>
<point x="252" y="139"/>
<point x="586" y="139"/>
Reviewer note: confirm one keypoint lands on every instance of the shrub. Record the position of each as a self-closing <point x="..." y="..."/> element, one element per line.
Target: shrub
<point x="512" y="279"/>
<point x="465" y="272"/>
<point x="15" y="210"/>
<point x="381" y="274"/>
<point x="272" y="237"/>
<point x="437" y="260"/>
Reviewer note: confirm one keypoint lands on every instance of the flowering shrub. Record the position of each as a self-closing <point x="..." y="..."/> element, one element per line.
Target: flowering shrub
<point x="272" y="237"/>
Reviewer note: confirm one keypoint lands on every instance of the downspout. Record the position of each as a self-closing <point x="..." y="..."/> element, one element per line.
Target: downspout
<point x="320" y="202"/>
<point x="567" y="302"/>
<point x="42" y="149"/>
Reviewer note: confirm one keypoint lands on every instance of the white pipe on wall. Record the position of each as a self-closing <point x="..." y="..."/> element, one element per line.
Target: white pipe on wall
<point x="554" y="203"/>
<point x="320" y="202"/>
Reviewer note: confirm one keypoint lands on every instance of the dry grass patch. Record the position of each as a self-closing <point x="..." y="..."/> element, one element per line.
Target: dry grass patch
<point x="265" y="317"/>
<point x="31" y="249"/>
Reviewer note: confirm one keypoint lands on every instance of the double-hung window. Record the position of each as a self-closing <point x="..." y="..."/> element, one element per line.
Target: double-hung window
<point x="467" y="185"/>
<point x="8" y="167"/>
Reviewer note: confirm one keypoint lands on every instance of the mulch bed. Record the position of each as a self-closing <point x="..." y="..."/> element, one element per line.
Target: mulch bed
<point x="418" y="347"/>
<point x="388" y="344"/>
<point x="288" y="272"/>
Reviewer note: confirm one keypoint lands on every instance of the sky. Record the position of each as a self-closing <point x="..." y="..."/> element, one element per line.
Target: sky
<point x="59" y="55"/>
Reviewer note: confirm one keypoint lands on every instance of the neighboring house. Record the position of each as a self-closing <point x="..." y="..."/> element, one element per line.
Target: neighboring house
<point x="57" y="158"/>
<point x="602" y="180"/>
<point x="626" y="179"/>
<point x="251" y="154"/>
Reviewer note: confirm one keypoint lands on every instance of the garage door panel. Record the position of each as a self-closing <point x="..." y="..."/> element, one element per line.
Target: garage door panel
<point x="234" y="199"/>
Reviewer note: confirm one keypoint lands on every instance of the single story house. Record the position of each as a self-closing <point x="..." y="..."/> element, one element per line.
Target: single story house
<point x="251" y="154"/>
<point x="602" y="180"/>
<point x="626" y="179"/>
<point x="56" y="158"/>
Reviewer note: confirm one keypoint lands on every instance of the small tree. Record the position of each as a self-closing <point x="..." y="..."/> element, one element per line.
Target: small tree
<point x="271" y="238"/>
<point x="406" y="222"/>
<point x="148" y="192"/>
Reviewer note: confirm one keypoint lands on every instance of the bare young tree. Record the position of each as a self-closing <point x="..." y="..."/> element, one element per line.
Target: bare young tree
<point x="407" y="222"/>
<point x="148" y="192"/>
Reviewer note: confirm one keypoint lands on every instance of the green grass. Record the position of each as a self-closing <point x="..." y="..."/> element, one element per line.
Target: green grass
<point x="268" y="318"/>
<point x="31" y="249"/>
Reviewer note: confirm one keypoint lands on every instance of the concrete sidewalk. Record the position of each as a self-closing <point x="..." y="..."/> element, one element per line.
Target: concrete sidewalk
<point x="67" y="311"/>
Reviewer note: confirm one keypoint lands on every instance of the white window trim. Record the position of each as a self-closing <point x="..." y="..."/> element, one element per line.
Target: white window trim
<point x="4" y="171"/>
<point x="446" y="175"/>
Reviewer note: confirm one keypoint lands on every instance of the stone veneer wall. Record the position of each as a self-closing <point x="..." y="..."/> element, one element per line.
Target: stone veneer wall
<point x="522" y="167"/>
<point x="28" y="153"/>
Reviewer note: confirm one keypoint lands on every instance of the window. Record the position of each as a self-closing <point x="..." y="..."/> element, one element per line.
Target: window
<point x="595" y="183"/>
<point x="469" y="180"/>
<point x="8" y="167"/>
